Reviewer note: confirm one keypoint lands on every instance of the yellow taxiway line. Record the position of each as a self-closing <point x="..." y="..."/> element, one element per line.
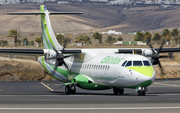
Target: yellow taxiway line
<point x="47" y="86"/>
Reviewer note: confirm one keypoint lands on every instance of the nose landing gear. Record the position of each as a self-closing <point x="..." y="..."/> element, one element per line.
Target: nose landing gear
<point x="141" y="91"/>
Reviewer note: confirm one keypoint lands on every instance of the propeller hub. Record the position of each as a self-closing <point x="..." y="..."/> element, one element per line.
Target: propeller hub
<point x="60" y="57"/>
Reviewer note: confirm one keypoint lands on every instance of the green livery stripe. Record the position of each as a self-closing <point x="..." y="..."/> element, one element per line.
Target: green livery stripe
<point x="47" y="32"/>
<point x="42" y="8"/>
<point x="145" y="70"/>
<point x="45" y="28"/>
<point x="49" y="47"/>
<point x="43" y="63"/>
<point x="46" y="42"/>
<point x="83" y="83"/>
<point x="143" y="84"/>
<point x="61" y="71"/>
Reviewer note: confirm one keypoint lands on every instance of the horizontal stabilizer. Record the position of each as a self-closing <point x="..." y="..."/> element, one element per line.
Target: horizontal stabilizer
<point x="41" y="13"/>
<point x="64" y="13"/>
<point x="25" y="13"/>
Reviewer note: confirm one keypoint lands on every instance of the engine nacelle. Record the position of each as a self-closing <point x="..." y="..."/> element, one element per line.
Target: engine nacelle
<point x="51" y="53"/>
<point x="147" y="52"/>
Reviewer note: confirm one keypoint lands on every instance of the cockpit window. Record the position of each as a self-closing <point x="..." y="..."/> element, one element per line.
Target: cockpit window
<point x="137" y="63"/>
<point x="124" y="63"/>
<point x="129" y="63"/>
<point x="146" y="63"/>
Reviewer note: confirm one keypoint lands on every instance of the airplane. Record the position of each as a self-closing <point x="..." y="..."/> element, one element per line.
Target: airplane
<point x="93" y="69"/>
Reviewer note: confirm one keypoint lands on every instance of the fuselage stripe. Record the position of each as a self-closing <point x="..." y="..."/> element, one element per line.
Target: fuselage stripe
<point x="51" y="71"/>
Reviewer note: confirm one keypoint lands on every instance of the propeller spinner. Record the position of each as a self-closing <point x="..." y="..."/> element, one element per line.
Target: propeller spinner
<point x="59" y="57"/>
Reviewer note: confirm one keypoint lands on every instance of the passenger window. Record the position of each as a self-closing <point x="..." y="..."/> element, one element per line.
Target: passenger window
<point x="146" y="63"/>
<point x="129" y="63"/>
<point x="137" y="63"/>
<point x="124" y="63"/>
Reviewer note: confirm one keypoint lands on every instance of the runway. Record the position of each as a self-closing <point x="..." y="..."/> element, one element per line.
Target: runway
<point x="36" y="96"/>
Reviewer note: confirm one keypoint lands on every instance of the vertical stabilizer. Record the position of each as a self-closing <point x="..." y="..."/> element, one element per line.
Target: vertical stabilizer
<point x="47" y="32"/>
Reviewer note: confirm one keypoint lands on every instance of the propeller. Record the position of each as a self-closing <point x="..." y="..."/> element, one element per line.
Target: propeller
<point x="59" y="56"/>
<point x="155" y="56"/>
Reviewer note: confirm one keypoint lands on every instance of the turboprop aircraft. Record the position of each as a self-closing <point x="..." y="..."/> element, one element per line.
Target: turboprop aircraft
<point x="93" y="69"/>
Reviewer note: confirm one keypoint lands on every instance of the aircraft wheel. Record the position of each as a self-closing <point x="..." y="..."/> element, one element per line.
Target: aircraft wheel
<point x="139" y="93"/>
<point x="67" y="90"/>
<point x="115" y="90"/>
<point x="121" y="91"/>
<point x="73" y="89"/>
<point x="143" y="93"/>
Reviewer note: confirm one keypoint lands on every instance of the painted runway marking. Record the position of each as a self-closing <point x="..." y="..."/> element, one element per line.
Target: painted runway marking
<point x="54" y="84"/>
<point x="168" y="85"/>
<point x="47" y="86"/>
<point x="117" y="108"/>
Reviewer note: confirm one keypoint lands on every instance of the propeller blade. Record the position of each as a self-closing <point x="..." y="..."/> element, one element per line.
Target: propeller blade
<point x="65" y="64"/>
<point x="56" y="65"/>
<point x="162" y="72"/>
<point x="161" y="46"/>
<point x="149" y="44"/>
<point x="53" y="48"/>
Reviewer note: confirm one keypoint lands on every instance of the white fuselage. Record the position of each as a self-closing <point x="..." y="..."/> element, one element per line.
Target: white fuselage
<point x="106" y="68"/>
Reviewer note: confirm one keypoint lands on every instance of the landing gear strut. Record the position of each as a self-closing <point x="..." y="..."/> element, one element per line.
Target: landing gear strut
<point x="70" y="89"/>
<point x="118" y="91"/>
<point x="73" y="89"/>
<point x="141" y="91"/>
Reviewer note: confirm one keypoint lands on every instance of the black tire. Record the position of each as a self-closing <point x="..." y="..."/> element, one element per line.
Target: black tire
<point x="143" y="93"/>
<point x="73" y="89"/>
<point x="139" y="93"/>
<point x="67" y="90"/>
<point x="121" y="91"/>
<point x="115" y="90"/>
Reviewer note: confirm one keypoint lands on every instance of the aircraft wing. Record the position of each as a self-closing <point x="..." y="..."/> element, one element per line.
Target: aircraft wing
<point x="22" y="51"/>
<point x="168" y="50"/>
<point x="34" y="51"/>
<point x="139" y="50"/>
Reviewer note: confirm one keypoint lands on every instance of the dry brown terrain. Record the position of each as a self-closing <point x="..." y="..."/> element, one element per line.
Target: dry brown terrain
<point x="21" y="70"/>
<point x="94" y="18"/>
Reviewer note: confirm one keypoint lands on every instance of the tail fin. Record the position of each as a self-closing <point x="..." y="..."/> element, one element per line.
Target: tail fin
<point x="47" y="32"/>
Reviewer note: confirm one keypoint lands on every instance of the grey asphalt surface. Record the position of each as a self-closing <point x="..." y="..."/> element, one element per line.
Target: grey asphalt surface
<point x="36" y="96"/>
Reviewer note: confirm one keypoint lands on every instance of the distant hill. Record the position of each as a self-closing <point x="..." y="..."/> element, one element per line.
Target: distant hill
<point x="94" y="18"/>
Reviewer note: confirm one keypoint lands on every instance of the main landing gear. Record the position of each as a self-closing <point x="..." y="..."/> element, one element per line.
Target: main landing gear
<point x="118" y="91"/>
<point x="141" y="91"/>
<point x="70" y="89"/>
